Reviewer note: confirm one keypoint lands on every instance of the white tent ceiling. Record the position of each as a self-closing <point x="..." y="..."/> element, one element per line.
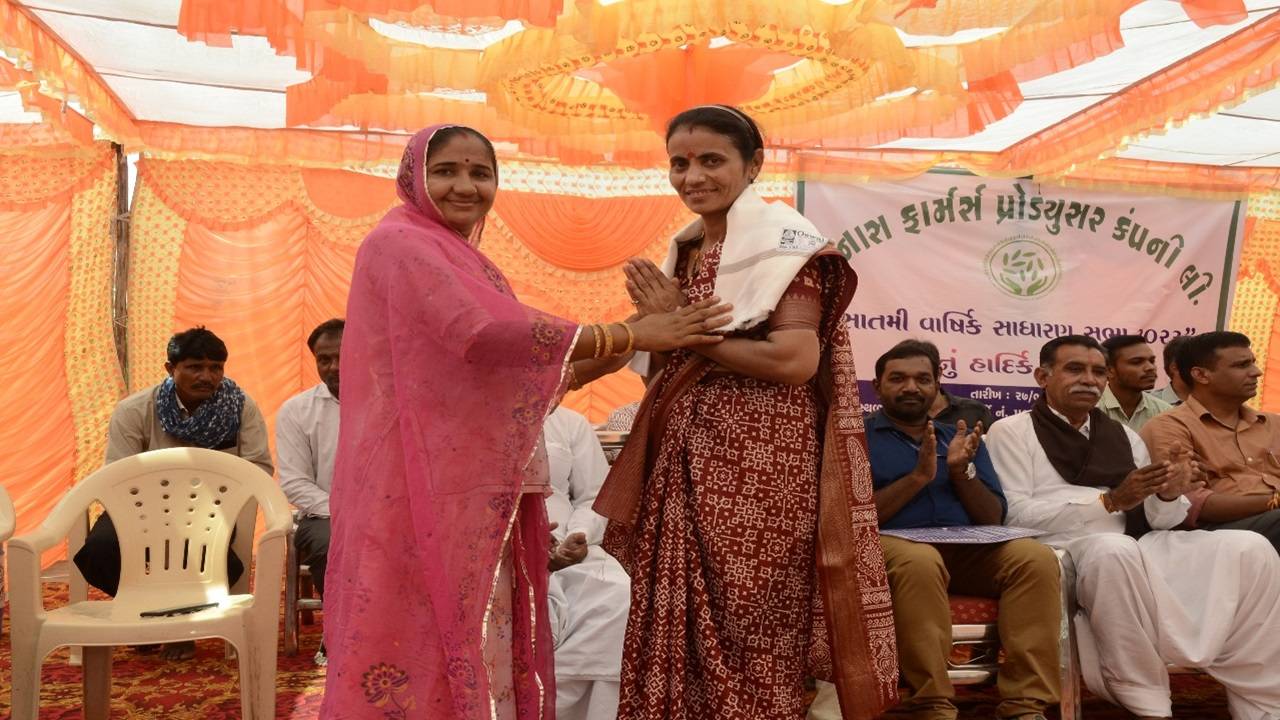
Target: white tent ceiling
<point x="1156" y="34"/>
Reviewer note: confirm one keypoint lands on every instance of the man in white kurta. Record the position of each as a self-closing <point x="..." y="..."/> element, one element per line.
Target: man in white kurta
<point x="1188" y="598"/>
<point x="588" y="601"/>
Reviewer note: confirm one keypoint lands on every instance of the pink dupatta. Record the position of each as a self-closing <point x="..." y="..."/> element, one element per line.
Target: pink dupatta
<point x="446" y="381"/>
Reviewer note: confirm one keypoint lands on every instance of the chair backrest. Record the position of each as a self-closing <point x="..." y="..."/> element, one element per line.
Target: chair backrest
<point x="174" y="510"/>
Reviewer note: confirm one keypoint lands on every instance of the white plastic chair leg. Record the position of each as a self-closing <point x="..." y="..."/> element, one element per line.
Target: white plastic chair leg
<point x="77" y="586"/>
<point x="97" y="682"/>
<point x="25" y="670"/>
<point x="1070" y="706"/>
<point x="257" y="679"/>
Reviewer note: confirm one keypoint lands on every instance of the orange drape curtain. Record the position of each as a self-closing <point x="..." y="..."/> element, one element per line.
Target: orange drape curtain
<point x="1256" y="311"/>
<point x="262" y="254"/>
<point x="59" y="377"/>
<point x="35" y="440"/>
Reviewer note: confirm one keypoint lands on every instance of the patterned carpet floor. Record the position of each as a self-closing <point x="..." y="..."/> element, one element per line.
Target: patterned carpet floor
<point x="207" y="688"/>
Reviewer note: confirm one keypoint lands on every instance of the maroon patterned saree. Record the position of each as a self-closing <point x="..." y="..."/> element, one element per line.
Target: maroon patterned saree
<point x="743" y="511"/>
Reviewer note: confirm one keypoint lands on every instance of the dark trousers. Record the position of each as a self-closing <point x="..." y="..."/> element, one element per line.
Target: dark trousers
<point x="312" y="542"/>
<point x="99" y="559"/>
<point x="1266" y="524"/>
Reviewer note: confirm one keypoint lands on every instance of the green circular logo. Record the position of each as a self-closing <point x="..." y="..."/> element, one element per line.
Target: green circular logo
<point x="1023" y="267"/>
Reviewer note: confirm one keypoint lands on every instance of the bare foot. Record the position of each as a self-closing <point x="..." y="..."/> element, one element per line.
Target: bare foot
<point x="178" y="650"/>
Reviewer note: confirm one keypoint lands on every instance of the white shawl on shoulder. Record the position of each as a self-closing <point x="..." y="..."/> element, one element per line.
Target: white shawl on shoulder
<point x="766" y="245"/>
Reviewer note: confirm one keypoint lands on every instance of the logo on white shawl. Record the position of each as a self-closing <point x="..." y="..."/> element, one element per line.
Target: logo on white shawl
<point x="800" y="241"/>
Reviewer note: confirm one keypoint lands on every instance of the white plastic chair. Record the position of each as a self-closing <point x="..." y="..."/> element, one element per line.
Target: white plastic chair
<point x="173" y="511"/>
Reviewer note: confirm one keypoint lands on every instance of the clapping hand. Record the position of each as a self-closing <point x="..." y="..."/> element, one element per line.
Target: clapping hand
<point x="927" y="464"/>
<point x="651" y="291"/>
<point x="1199" y="468"/>
<point x="1186" y="473"/>
<point x="570" y="552"/>
<point x="963" y="448"/>
<point x="1140" y="484"/>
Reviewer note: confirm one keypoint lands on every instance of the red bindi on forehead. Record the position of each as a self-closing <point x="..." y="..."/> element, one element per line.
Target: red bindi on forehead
<point x="690" y="155"/>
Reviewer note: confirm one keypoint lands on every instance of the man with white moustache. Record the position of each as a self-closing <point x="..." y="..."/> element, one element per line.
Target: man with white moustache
<point x="1149" y="596"/>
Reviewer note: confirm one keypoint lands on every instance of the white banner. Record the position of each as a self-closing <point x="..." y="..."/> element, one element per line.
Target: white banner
<point x="989" y="270"/>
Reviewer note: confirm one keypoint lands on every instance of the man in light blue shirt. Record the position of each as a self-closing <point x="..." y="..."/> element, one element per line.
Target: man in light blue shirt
<point x="1131" y="374"/>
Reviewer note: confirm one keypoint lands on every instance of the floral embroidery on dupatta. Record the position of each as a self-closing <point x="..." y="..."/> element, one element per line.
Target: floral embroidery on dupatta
<point x="497" y="279"/>
<point x="383" y="684"/>
<point x="405" y="179"/>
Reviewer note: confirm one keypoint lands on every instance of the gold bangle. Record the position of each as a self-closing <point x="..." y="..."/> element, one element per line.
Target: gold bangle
<point x="608" y="340"/>
<point x="1274" y="503"/>
<point x="1107" y="504"/>
<point x="574" y="383"/>
<point x="595" y="333"/>
<point x="631" y="338"/>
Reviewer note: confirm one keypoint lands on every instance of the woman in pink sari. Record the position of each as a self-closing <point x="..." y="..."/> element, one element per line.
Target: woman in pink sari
<point x="436" y="606"/>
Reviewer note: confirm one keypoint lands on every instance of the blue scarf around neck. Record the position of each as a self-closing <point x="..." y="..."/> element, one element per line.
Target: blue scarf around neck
<point x="215" y="424"/>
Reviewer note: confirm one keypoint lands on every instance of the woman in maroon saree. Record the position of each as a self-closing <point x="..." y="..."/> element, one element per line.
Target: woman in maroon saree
<point x="436" y="606"/>
<point x="742" y="504"/>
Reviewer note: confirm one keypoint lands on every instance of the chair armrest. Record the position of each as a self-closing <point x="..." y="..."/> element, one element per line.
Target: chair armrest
<point x="25" y="590"/>
<point x="38" y="540"/>
<point x="268" y="563"/>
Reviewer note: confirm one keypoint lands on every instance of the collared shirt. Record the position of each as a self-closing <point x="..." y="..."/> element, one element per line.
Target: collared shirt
<point x="1167" y="394"/>
<point x="895" y="453"/>
<point x="578" y="468"/>
<point x="306" y="444"/>
<point x="963" y="408"/>
<point x="1148" y="407"/>
<point x="1243" y="460"/>
<point x="135" y="428"/>
<point x="1040" y="498"/>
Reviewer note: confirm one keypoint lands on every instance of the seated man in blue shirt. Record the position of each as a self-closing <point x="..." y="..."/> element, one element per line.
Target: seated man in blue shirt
<point x="930" y="474"/>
